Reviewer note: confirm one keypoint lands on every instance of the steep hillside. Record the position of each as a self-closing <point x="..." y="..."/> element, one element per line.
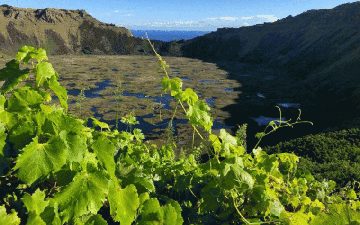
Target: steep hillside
<point x="62" y="31"/>
<point x="321" y="47"/>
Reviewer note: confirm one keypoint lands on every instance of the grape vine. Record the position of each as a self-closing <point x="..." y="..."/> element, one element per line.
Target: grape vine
<point x="56" y="170"/>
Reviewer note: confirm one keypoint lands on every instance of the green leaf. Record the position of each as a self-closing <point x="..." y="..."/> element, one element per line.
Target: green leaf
<point x="27" y="52"/>
<point x="267" y="162"/>
<point x="211" y="197"/>
<point x="22" y="99"/>
<point x="97" y="123"/>
<point x="84" y="195"/>
<point x="259" y="135"/>
<point x="67" y="122"/>
<point x="276" y="208"/>
<point x="316" y="207"/>
<point x="38" y="160"/>
<point x="60" y="92"/>
<point x="175" y="204"/>
<point x="145" y="182"/>
<point x="44" y="71"/>
<point x="189" y="96"/>
<point x="174" y="85"/>
<point x="8" y="219"/>
<point x="242" y="176"/>
<point x="12" y="75"/>
<point x="138" y="135"/>
<point x="2" y="102"/>
<point x="34" y="219"/>
<point x="298" y="218"/>
<point x="21" y="131"/>
<point x="35" y="203"/>
<point x="3" y="136"/>
<point x="104" y="150"/>
<point x="307" y="175"/>
<point x="198" y="115"/>
<point x="339" y="213"/>
<point x="129" y="119"/>
<point x="351" y="194"/>
<point x="290" y="161"/>
<point x="215" y="142"/>
<point x="123" y="203"/>
<point x="170" y="215"/>
<point x="228" y="142"/>
<point x="144" y="196"/>
<point x="151" y="212"/>
<point x="92" y="220"/>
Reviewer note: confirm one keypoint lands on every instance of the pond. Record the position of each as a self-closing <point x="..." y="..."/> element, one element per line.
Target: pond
<point x="135" y="80"/>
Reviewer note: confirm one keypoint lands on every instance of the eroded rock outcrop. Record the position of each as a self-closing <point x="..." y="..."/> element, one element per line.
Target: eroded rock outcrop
<point x="61" y="31"/>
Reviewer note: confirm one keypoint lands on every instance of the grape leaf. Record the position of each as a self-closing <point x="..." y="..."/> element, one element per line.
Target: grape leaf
<point x="298" y="218"/>
<point x="44" y="71"/>
<point x="104" y="150"/>
<point x="198" y="115"/>
<point x="59" y="91"/>
<point x="228" y="141"/>
<point x="189" y="96"/>
<point x="151" y="212"/>
<point x="2" y="102"/>
<point x="22" y="99"/>
<point x="12" y="75"/>
<point x="97" y="123"/>
<point x="27" y="52"/>
<point x="35" y="203"/>
<point x="174" y="85"/>
<point x="123" y="202"/>
<point x="8" y="219"/>
<point x="38" y="160"/>
<point x="276" y="208"/>
<point x="84" y="195"/>
<point x="3" y="136"/>
<point x="91" y="220"/>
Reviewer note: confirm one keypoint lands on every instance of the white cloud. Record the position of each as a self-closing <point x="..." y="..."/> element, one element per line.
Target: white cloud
<point x="208" y="23"/>
<point x="223" y="18"/>
<point x="247" y="18"/>
<point x="269" y="17"/>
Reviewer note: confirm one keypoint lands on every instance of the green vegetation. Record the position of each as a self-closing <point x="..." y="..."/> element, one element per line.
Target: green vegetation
<point x="56" y="170"/>
<point x="333" y="155"/>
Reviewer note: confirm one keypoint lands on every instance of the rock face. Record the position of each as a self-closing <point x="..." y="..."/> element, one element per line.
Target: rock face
<point x="321" y="47"/>
<point x="61" y="31"/>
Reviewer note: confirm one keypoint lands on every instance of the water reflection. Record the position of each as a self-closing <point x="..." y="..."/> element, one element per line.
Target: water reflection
<point x="186" y="78"/>
<point x="210" y="101"/>
<point x="92" y="93"/>
<point x="287" y="105"/>
<point x="260" y="95"/>
<point x="266" y="120"/>
<point x="207" y="81"/>
<point x="163" y="100"/>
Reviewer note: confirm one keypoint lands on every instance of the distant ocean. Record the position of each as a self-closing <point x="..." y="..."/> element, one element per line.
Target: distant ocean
<point x="168" y="35"/>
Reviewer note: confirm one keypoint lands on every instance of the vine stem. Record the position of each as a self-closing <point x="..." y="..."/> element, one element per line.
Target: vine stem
<point x="163" y="66"/>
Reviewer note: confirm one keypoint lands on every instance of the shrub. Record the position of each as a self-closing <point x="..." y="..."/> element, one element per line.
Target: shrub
<point x="333" y="155"/>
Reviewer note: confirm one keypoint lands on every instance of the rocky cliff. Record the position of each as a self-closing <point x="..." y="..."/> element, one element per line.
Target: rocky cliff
<point x="62" y="31"/>
<point x="321" y="47"/>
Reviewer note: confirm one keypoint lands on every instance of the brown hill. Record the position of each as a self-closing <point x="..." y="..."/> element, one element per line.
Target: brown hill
<point x="62" y="31"/>
<point x="321" y="47"/>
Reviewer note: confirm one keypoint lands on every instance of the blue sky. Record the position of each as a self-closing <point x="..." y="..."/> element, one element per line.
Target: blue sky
<point x="186" y="15"/>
